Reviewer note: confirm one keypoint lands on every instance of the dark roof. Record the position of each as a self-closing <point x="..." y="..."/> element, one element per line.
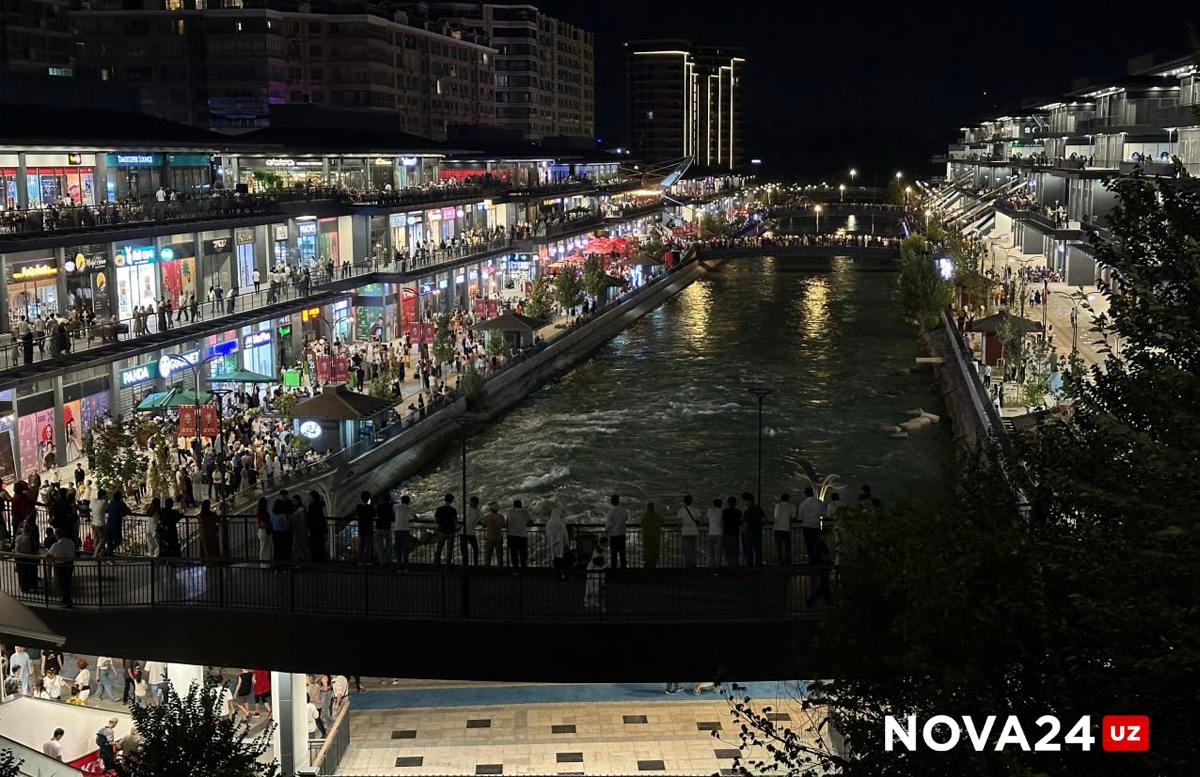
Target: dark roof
<point x="510" y="322"/>
<point x="996" y="322"/>
<point x="338" y="403"/>
<point x="326" y="139"/>
<point x="41" y="125"/>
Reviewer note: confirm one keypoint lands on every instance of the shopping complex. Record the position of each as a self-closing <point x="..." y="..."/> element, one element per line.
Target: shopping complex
<point x="272" y="247"/>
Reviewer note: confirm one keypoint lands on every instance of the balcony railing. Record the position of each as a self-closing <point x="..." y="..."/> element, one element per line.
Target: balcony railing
<point x="381" y="592"/>
<point x="78" y="218"/>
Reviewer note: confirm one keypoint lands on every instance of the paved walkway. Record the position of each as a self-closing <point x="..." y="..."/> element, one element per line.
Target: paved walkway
<point x="553" y="729"/>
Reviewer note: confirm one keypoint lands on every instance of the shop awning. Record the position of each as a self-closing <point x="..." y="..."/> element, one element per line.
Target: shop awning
<point x="338" y="403"/>
<point x="242" y="376"/>
<point x="166" y="400"/>
<point x="511" y="322"/>
<point x="615" y="282"/>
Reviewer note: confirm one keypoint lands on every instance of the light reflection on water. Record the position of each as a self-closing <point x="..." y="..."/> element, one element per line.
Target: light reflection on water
<point x="664" y="408"/>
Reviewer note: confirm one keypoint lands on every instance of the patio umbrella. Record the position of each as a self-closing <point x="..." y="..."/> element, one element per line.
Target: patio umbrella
<point x="995" y="323"/>
<point x="242" y="376"/>
<point x="166" y="400"/>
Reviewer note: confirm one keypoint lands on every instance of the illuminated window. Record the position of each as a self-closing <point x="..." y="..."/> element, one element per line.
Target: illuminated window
<point x="650" y="115"/>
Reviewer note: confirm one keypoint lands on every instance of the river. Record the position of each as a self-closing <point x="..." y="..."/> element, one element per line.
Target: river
<point x="665" y="408"/>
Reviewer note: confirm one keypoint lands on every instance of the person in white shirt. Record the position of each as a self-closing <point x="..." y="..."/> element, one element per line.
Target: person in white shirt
<point x="518" y="541"/>
<point x="556" y="537"/>
<point x="99" y="509"/>
<point x="785" y="513"/>
<point x="614" y="527"/>
<point x="469" y="527"/>
<point x="811" y="512"/>
<point x="689" y="532"/>
<point x="403" y="530"/>
<point x="53" y="746"/>
<point x="84" y="679"/>
<point x="107" y="678"/>
<point x="156" y="679"/>
<point x="716" y="533"/>
<point x="62" y="554"/>
<point x="52" y="685"/>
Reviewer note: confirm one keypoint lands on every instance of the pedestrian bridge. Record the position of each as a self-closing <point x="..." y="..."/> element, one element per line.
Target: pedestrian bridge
<point x="441" y="622"/>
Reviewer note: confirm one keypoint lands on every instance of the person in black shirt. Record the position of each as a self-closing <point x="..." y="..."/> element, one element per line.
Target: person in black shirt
<point x="447" y="524"/>
<point x="281" y="525"/>
<point x="731" y="525"/>
<point x="752" y="541"/>
<point x="385" y="516"/>
<point x="365" y="513"/>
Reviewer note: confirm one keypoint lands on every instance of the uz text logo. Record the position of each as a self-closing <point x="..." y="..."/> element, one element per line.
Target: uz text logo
<point x="1125" y="733"/>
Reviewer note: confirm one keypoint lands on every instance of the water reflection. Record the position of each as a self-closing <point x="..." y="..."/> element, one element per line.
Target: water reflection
<point x="665" y="409"/>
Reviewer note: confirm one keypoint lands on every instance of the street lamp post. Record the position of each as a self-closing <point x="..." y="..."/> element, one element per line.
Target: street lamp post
<point x="762" y="392"/>
<point x="841" y="192"/>
<point x="817" y="210"/>
<point x="196" y="375"/>
<point x="853" y="174"/>
<point x="1076" y="299"/>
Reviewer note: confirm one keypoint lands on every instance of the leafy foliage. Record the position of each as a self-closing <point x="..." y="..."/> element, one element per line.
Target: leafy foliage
<point x="713" y="225"/>
<point x="650" y="249"/>
<point x="1084" y="604"/>
<point x="10" y="765"/>
<point x="593" y="279"/>
<point x="538" y="304"/>
<point x="567" y="291"/>
<point x="443" y="341"/>
<point x="474" y="387"/>
<point x="923" y="292"/>
<point x="285" y="405"/>
<point x="119" y="459"/>
<point x="496" y="345"/>
<point x="186" y="736"/>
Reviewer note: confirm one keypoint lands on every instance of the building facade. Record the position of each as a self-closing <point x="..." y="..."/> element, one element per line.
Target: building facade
<point x="685" y="101"/>
<point x="1037" y="180"/>
<point x="35" y="37"/>
<point x="545" y="67"/>
<point x="225" y="67"/>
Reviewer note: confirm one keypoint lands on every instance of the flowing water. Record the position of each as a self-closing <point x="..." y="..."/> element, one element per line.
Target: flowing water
<point x="666" y="408"/>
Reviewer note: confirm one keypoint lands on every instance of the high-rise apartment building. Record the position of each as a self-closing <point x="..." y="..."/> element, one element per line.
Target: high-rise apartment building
<point x="225" y="67"/>
<point x="544" y="66"/>
<point x="685" y="100"/>
<point x="35" y="37"/>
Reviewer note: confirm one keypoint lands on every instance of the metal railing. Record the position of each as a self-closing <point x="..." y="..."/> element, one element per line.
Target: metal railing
<point x="329" y="751"/>
<point x="68" y="218"/>
<point x="760" y="593"/>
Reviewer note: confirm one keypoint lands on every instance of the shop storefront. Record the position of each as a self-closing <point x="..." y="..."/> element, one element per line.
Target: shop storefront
<point x="49" y="178"/>
<point x="342" y="320"/>
<point x="244" y="240"/>
<point x="137" y="278"/>
<point x="84" y="405"/>
<point x="408" y="308"/>
<point x="306" y="241"/>
<point x="222" y="353"/>
<point x="261" y="175"/>
<point x="327" y="239"/>
<point x="371" y="312"/>
<point x="8" y="181"/>
<point x="32" y="285"/>
<point x="217" y="248"/>
<point x="139" y="174"/>
<point x="178" y="262"/>
<point x="35" y="431"/>
<point x="258" y="348"/>
<point x="280" y="250"/>
<point x="87" y="279"/>
<point x="427" y="293"/>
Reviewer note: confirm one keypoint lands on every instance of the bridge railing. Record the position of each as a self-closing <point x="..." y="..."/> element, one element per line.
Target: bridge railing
<point x="464" y="593"/>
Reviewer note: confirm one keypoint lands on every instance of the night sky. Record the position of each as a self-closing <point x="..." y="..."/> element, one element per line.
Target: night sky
<point x="881" y="86"/>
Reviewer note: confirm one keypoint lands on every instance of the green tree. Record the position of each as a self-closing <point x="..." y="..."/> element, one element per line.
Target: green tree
<point x="120" y="458"/>
<point x="186" y="736"/>
<point x="496" y="346"/>
<point x="650" y="249"/>
<point x="286" y="405"/>
<point x="923" y="291"/>
<point x="1084" y="602"/>
<point x="594" y="278"/>
<point x="1035" y="389"/>
<point x="567" y="291"/>
<point x="474" y="388"/>
<point x="539" y="303"/>
<point x="443" y="341"/>
<point x="160" y="476"/>
<point x="713" y="225"/>
<point x="10" y="765"/>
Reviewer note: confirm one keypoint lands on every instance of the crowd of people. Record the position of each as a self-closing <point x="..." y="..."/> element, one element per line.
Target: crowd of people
<point x="847" y="240"/>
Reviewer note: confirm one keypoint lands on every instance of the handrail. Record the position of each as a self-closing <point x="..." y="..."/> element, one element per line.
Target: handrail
<point x="336" y="743"/>
<point x="473" y="593"/>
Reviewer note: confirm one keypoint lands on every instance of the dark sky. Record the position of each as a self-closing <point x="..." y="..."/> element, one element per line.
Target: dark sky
<point x="881" y="86"/>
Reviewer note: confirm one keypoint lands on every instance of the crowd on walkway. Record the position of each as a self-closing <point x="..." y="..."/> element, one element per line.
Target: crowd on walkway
<point x="847" y="240"/>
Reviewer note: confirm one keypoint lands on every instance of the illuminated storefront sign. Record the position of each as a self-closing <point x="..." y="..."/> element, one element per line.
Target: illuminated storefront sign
<point x="309" y="314"/>
<point x="33" y="272"/>
<point x="408" y="161"/>
<point x="310" y="429"/>
<point x="140" y="374"/>
<point x="256" y="339"/>
<point x="222" y="349"/>
<point x="134" y="255"/>
<point x="306" y="227"/>
<point x="169" y="365"/>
